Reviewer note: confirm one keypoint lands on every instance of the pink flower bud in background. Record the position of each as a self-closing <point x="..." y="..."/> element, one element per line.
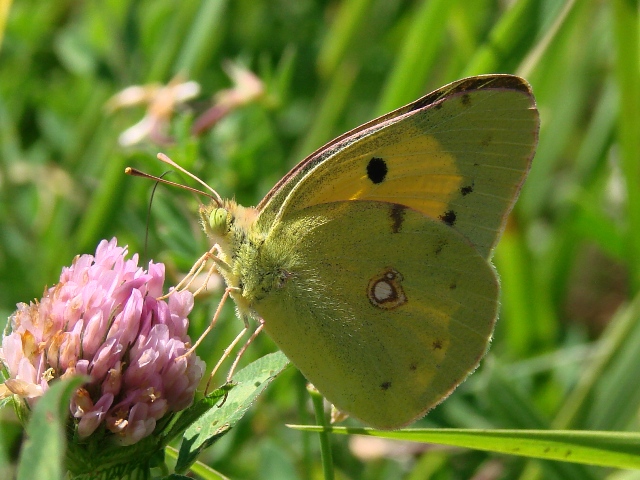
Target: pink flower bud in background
<point x="104" y="320"/>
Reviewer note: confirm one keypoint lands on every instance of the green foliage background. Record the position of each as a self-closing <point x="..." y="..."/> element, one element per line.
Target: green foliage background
<point x="567" y="342"/>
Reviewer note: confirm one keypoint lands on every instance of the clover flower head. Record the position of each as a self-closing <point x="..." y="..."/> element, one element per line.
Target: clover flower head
<point x="104" y="320"/>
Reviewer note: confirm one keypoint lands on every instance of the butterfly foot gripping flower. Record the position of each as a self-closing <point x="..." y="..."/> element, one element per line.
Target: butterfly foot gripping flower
<point x="104" y="321"/>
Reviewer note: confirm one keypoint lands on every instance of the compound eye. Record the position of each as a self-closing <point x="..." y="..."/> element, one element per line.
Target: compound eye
<point x="218" y="221"/>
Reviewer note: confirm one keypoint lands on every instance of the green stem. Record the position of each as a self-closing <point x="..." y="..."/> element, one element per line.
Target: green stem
<point x="325" y="443"/>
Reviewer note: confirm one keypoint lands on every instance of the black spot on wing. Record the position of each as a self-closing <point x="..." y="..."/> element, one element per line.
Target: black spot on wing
<point x="449" y="217"/>
<point x="397" y="217"/>
<point x="439" y="247"/>
<point x="377" y="170"/>
<point x="487" y="139"/>
<point x="466" y="190"/>
<point x="385" y="385"/>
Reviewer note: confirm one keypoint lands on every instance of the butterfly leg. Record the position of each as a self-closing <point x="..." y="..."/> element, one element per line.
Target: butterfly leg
<point x="227" y="291"/>
<point x="243" y="349"/>
<point x="197" y="268"/>
<point x="225" y="355"/>
<point x="233" y="344"/>
<point x="214" y="267"/>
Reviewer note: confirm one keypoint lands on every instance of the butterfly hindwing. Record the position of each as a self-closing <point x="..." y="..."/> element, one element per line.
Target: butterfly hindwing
<point x="385" y="310"/>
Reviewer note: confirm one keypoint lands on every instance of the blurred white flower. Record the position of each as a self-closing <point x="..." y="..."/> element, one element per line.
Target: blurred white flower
<point x="162" y="101"/>
<point x="246" y="89"/>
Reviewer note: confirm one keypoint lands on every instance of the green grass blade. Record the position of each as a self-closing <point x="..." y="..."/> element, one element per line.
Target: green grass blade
<point x="203" y="39"/>
<point x="417" y="55"/>
<point x="506" y="38"/>
<point x="349" y="18"/>
<point x="627" y="38"/>
<point x="606" y="449"/>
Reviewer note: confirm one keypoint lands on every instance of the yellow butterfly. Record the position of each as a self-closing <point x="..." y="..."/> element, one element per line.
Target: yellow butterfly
<point x="369" y="262"/>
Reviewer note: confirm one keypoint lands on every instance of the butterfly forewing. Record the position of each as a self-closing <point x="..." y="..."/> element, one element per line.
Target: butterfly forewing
<point x="459" y="155"/>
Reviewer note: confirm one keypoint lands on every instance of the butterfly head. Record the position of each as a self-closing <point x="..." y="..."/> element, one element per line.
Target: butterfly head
<point x="230" y="227"/>
<point x="226" y="220"/>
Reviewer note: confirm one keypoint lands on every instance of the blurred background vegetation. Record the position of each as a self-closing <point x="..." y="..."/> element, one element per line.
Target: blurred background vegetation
<point x="568" y="339"/>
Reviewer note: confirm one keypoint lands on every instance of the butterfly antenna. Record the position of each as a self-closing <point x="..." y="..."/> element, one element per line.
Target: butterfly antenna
<point x="146" y="231"/>
<point x="163" y="158"/>
<point x="134" y="172"/>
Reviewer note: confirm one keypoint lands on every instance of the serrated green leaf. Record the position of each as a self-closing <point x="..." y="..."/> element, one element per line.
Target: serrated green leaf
<point x="248" y="384"/>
